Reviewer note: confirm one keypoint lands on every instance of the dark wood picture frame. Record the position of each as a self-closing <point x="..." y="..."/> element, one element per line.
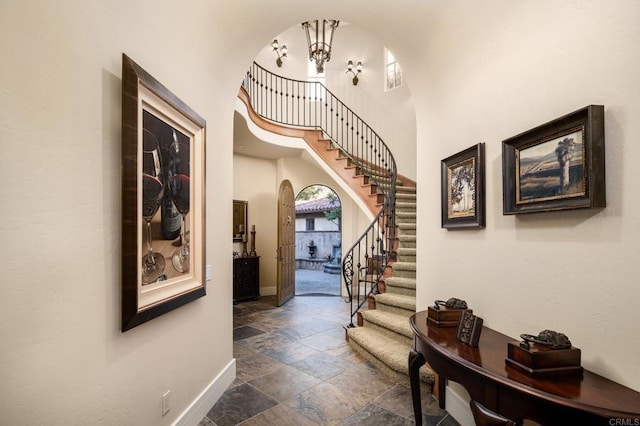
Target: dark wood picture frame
<point x="559" y="165"/>
<point x="153" y="116"/>
<point x="463" y="189"/>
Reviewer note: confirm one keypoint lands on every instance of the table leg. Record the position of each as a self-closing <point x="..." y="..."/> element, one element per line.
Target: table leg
<point x="442" y="389"/>
<point x="416" y="360"/>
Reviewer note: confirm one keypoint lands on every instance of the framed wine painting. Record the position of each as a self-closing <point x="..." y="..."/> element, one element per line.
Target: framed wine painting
<point x="556" y="166"/>
<point x="463" y="189"/>
<point x="163" y="179"/>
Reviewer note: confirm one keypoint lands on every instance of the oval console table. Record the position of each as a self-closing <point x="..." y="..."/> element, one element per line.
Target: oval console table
<point x="589" y="399"/>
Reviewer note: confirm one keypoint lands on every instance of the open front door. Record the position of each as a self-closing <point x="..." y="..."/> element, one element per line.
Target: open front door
<point x="286" y="243"/>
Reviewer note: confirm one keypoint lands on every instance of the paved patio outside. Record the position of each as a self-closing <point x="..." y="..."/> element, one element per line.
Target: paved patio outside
<point x="311" y="282"/>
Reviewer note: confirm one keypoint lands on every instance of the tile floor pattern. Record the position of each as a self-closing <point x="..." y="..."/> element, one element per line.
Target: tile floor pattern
<point x="294" y="367"/>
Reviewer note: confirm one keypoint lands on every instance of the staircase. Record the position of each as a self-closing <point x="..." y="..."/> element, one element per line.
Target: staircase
<point x="380" y="268"/>
<point x="383" y="335"/>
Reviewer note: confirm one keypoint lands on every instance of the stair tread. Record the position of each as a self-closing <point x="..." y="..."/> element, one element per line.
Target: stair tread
<point x="408" y="215"/>
<point x="405" y="197"/>
<point x="400" y="187"/>
<point x="405" y="222"/>
<point x="385" y="348"/>
<point x="407" y="250"/>
<point x="400" y="282"/>
<point x="407" y="225"/>
<point x="392" y="353"/>
<point x="396" y="323"/>
<point x="397" y="300"/>
<point x="404" y="266"/>
<point x="405" y="206"/>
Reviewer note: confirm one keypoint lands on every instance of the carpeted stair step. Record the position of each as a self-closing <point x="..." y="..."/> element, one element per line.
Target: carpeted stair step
<point x="406" y="189"/>
<point x="391" y="325"/>
<point x="406" y="255"/>
<point x="378" y="176"/>
<point x="400" y="304"/>
<point x="404" y="269"/>
<point x="408" y="241"/>
<point x="407" y="228"/>
<point x="406" y="217"/>
<point x="399" y="188"/>
<point x="405" y="197"/>
<point x="387" y="354"/>
<point x="380" y="180"/>
<point x="397" y="285"/>
<point x="404" y="207"/>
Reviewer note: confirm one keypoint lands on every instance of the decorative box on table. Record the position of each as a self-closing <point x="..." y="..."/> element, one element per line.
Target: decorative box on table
<point x="539" y="361"/>
<point x="445" y="317"/>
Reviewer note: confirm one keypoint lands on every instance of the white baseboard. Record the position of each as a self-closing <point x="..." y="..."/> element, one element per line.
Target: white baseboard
<point x="458" y="407"/>
<point x="199" y="408"/>
<point x="268" y="291"/>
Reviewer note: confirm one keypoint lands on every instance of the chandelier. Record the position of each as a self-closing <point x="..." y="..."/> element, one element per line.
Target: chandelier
<point x="319" y="39"/>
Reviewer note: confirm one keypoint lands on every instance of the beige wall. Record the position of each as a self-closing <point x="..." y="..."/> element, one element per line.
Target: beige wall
<point x="257" y="181"/>
<point x="63" y="359"/>
<point x="321" y="223"/>
<point x="254" y="180"/>
<point x="477" y="73"/>
<point x="390" y="114"/>
<point x="500" y="70"/>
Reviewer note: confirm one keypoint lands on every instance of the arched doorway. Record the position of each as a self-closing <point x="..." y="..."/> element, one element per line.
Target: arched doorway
<point x="318" y="241"/>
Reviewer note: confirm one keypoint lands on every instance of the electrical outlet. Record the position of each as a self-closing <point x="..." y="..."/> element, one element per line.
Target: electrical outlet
<point x="208" y="273"/>
<point x="165" y="402"/>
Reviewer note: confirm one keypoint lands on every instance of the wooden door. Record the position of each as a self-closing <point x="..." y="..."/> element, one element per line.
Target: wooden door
<point x="286" y="283"/>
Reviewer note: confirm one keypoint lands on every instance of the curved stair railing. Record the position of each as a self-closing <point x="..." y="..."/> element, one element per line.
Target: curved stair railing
<point x="311" y="105"/>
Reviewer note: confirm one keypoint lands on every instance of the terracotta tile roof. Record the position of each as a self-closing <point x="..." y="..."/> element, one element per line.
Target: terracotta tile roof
<point x="319" y="205"/>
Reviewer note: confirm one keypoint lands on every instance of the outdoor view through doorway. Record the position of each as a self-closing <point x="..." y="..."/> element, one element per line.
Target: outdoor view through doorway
<point x="318" y="241"/>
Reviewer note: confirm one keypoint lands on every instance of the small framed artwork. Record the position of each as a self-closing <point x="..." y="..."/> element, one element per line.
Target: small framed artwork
<point x="163" y="171"/>
<point x="463" y="189"/>
<point x="556" y="166"/>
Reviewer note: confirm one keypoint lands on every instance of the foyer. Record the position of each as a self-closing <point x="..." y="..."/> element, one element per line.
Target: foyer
<point x="295" y="368"/>
<point x="479" y="72"/>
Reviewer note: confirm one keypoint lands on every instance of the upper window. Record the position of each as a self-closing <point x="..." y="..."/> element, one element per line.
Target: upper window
<point x="316" y="91"/>
<point x="311" y="224"/>
<point x="394" y="73"/>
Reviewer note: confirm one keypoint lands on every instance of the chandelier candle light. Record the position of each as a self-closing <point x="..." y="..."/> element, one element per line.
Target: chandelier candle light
<point x="319" y="39"/>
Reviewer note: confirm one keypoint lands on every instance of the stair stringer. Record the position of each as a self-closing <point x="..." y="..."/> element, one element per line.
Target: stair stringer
<point x="311" y="142"/>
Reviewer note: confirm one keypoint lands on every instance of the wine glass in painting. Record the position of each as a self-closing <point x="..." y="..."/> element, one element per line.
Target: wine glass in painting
<point x="152" y="192"/>
<point x="179" y="187"/>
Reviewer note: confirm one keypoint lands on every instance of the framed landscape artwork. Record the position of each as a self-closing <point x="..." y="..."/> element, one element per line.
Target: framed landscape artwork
<point x="463" y="194"/>
<point x="163" y="170"/>
<point x="556" y="166"/>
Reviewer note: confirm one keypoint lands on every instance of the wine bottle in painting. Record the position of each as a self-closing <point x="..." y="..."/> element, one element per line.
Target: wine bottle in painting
<point x="170" y="218"/>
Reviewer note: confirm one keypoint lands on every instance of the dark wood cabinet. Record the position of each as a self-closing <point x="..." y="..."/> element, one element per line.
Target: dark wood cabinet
<point x="246" y="278"/>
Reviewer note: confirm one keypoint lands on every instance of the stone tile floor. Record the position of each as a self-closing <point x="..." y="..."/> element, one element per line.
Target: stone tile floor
<point x="294" y="367"/>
